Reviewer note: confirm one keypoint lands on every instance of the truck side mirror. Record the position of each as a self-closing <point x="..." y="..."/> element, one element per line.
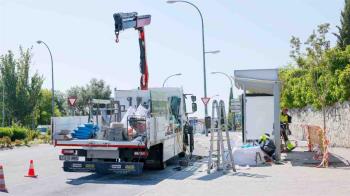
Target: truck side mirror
<point x="194" y="107"/>
<point x="193" y="98"/>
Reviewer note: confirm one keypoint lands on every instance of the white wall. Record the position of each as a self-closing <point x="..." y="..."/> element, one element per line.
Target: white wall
<point x="337" y="123"/>
<point x="259" y="116"/>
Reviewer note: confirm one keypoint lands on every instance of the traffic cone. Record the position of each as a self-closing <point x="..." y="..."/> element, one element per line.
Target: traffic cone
<point x="31" y="172"/>
<point x="2" y="181"/>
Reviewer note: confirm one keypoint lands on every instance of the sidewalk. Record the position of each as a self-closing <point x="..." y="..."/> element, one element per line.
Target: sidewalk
<point x="297" y="176"/>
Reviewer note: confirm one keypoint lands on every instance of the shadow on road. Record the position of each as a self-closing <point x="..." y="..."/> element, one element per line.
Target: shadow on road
<point x="305" y="159"/>
<point x="152" y="177"/>
<point x="211" y="176"/>
<point x="148" y="177"/>
<point x="219" y="174"/>
<point x="250" y="175"/>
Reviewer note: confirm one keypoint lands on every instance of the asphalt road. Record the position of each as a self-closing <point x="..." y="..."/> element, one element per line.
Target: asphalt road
<point x="297" y="176"/>
<point x="53" y="181"/>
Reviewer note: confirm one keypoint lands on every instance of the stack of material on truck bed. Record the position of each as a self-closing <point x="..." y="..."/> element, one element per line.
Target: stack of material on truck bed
<point x="63" y="135"/>
<point x="115" y="132"/>
<point x="85" y="131"/>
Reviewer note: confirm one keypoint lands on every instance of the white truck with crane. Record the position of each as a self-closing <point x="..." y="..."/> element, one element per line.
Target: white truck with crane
<point x="135" y="129"/>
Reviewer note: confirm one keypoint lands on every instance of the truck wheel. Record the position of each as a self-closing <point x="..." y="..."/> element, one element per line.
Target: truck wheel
<point x="162" y="165"/>
<point x="155" y="158"/>
<point x="182" y="154"/>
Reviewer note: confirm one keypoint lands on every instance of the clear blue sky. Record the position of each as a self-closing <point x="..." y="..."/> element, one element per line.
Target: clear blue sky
<point x="251" y="34"/>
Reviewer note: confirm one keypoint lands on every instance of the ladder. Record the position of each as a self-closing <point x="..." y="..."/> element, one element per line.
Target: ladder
<point x="218" y="123"/>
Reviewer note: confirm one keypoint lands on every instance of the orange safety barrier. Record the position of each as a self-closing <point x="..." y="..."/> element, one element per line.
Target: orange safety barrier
<point x="2" y="181"/>
<point x="316" y="136"/>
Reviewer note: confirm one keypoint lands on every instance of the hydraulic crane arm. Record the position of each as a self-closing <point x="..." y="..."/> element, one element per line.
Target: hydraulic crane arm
<point x="124" y="21"/>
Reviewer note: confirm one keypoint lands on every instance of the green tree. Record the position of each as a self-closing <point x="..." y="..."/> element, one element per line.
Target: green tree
<point x="229" y="112"/>
<point x="9" y="78"/>
<point x="312" y="82"/>
<point x="96" y="89"/>
<point x="45" y="108"/>
<point x="344" y="28"/>
<point x="2" y="94"/>
<point x="77" y="91"/>
<point x="61" y="102"/>
<point x="22" y="92"/>
<point x="344" y="83"/>
<point x="321" y="77"/>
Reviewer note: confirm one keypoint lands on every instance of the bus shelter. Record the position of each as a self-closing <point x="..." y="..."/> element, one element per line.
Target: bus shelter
<point x="261" y="81"/>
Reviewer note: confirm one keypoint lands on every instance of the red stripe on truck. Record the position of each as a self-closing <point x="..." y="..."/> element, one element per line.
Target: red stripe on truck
<point x="103" y="145"/>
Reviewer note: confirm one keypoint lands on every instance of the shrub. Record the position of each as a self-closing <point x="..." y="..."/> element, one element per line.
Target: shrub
<point x="19" y="133"/>
<point x="2" y="142"/>
<point x="32" y="134"/>
<point x="18" y="142"/>
<point x="26" y="142"/>
<point x="48" y="132"/>
<point x="6" y="132"/>
<point x="7" y="141"/>
<point x="45" y="138"/>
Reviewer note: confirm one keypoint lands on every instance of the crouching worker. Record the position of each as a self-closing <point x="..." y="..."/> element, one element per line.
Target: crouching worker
<point x="285" y="120"/>
<point x="268" y="146"/>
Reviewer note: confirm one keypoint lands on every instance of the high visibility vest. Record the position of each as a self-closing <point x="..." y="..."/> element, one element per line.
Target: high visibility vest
<point x="264" y="138"/>
<point x="284" y="118"/>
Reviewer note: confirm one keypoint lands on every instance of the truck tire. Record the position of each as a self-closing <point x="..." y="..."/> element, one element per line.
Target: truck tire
<point x="182" y="154"/>
<point x="162" y="165"/>
<point x="155" y="158"/>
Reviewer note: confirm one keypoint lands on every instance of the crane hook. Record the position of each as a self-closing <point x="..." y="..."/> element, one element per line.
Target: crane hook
<point x="117" y="36"/>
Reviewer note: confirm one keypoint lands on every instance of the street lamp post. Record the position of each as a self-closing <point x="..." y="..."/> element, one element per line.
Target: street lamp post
<point x="166" y="79"/>
<point x="52" y="84"/>
<point x="229" y="77"/>
<point x="203" y="50"/>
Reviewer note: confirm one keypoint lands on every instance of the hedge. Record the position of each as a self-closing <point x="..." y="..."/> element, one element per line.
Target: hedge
<point x="19" y="133"/>
<point x="6" y="131"/>
<point x="15" y="132"/>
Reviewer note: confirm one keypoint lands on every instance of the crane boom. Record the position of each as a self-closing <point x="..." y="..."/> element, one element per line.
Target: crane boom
<point x="124" y="21"/>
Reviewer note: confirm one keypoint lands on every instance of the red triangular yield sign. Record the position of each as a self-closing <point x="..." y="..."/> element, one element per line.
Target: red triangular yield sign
<point x="72" y="100"/>
<point x="205" y="100"/>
